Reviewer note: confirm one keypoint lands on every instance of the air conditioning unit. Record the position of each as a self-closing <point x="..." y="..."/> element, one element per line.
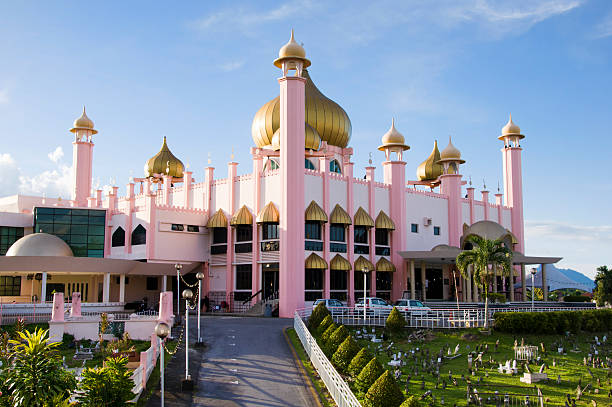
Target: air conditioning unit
<point x="427" y="221"/>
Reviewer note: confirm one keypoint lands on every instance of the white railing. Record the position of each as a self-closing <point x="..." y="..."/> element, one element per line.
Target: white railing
<point x="141" y="374"/>
<point x="337" y="387"/>
<point x="428" y="319"/>
<point x="137" y="378"/>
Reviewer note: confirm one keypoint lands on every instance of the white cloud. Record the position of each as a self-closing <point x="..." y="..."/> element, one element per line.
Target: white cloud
<point x="9" y="174"/>
<point x="583" y="248"/>
<point x="604" y="28"/>
<point x="4" y="96"/>
<point x="232" y="66"/>
<point x="56" y="154"/>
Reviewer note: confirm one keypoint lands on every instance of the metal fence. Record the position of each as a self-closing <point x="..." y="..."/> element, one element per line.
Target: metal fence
<point x="337" y="387"/>
<point x="428" y="319"/>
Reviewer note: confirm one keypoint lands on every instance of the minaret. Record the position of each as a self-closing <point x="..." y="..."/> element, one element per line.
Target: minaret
<point x="513" y="179"/>
<point x="82" y="158"/>
<point x="292" y="117"/>
<point x="394" y="174"/>
<point x="450" y="185"/>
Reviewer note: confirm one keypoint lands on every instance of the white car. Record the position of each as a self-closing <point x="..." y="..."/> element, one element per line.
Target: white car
<point x="411" y="306"/>
<point x="329" y="303"/>
<point x="374" y="306"/>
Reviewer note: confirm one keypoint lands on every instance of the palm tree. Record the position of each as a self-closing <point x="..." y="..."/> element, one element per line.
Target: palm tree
<point x="485" y="253"/>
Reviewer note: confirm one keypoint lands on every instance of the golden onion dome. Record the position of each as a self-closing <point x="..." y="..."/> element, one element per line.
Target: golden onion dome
<point x="451" y="153"/>
<point x="164" y="163"/>
<point x="393" y="138"/>
<point x="291" y="50"/>
<point x="324" y="115"/>
<point x="430" y="170"/>
<point x="511" y="130"/>
<point x="312" y="140"/>
<point x="83" y="123"/>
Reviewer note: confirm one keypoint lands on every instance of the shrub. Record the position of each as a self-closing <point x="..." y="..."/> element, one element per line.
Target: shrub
<point x="358" y="362"/>
<point x="553" y="322"/>
<point x="335" y="340"/>
<point x="328" y="332"/>
<point x="368" y="375"/>
<point x="576" y="298"/>
<point x="395" y="321"/>
<point x="345" y="353"/>
<point x="497" y="298"/>
<point x="384" y="392"/>
<point x="412" y="401"/>
<point x="109" y="386"/>
<point x="318" y="314"/>
<point x="327" y="321"/>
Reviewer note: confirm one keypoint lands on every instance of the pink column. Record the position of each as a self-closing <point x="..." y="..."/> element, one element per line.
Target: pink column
<point x="167" y="182"/>
<point x="98" y="198"/>
<point x="229" y="268"/>
<point x="324" y="170"/>
<point x="372" y="213"/>
<point x="470" y="193"/>
<point x="395" y="176"/>
<point x="350" y="236"/>
<point x="57" y="313"/>
<point x="498" y="202"/>
<point x="165" y="307"/>
<point x="75" y="309"/>
<point x="187" y="177"/>
<point x="292" y="118"/>
<point x="485" y="201"/>
<point x="513" y="187"/>
<point x="151" y="219"/>
<point x="82" y="159"/>
<point x="255" y="270"/>
<point x="128" y="219"/>
<point x="209" y="176"/>
<point x="451" y="187"/>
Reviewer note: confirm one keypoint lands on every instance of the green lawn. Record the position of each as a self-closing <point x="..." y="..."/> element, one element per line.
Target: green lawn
<point x="569" y="366"/>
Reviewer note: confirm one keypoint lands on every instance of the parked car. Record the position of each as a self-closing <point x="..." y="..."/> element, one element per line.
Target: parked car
<point x="329" y="303"/>
<point x="412" y="306"/>
<point x="374" y="306"/>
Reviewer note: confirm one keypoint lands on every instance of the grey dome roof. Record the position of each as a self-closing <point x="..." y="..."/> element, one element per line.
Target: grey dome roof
<point x="489" y="230"/>
<point x="40" y="244"/>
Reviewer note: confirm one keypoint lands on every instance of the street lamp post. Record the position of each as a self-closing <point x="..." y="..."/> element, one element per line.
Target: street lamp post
<point x="187" y="384"/>
<point x="162" y="330"/>
<point x="200" y="277"/>
<point x="365" y="285"/>
<point x="533" y="273"/>
<point x="178" y="268"/>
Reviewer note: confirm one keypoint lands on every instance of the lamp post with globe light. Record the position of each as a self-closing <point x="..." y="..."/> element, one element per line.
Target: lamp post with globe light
<point x="200" y="277"/>
<point x="533" y="273"/>
<point x="187" y="383"/>
<point x="162" y="330"/>
<point x="365" y="271"/>
<point x="178" y="268"/>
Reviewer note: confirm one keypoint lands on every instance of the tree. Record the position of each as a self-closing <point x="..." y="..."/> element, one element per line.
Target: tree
<point x="35" y="377"/>
<point x="359" y="361"/>
<point x="108" y="386"/>
<point x="345" y="353"/>
<point x="318" y="314"/>
<point x="603" y="286"/>
<point x="485" y="253"/>
<point x="395" y="321"/>
<point x="384" y="392"/>
<point x="368" y="375"/>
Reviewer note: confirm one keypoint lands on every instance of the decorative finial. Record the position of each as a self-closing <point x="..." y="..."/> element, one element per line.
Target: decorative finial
<point x="187" y="166"/>
<point x="292" y="38"/>
<point x="484" y="184"/>
<point x="370" y="160"/>
<point x="167" y="166"/>
<point x="83" y="109"/>
<point x="209" y="160"/>
<point x="232" y="155"/>
<point x="498" y="187"/>
<point x="470" y="180"/>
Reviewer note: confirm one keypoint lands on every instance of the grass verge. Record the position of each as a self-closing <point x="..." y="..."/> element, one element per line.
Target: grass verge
<point x="154" y="378"/>
<point x="318" y="384"/>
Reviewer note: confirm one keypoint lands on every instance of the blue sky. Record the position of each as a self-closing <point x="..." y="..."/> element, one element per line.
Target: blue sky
<point x="197" y="72"/>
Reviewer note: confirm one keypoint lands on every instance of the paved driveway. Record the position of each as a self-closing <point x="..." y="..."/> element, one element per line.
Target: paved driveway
<point x="248" y="363"/>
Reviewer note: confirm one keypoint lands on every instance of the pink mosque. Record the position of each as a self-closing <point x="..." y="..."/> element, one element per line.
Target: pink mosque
<point x="300" y="226"/>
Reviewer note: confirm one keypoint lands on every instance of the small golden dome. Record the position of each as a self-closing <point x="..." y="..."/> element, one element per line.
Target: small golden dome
<point x="164" y="163"/>
<point x="430" y="170"/>
<point x="323" y="114"/>
<point x="291" y="50"/>
<point x="393" y="138"/>
<point x="83" y="123"/>
<point x="451" y="153"/>
<point x="511" y="129"/>
<point x="312" y="141"/>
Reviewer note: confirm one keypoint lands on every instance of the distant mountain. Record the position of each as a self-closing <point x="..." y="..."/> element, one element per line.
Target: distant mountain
<point x="574" y="276"/>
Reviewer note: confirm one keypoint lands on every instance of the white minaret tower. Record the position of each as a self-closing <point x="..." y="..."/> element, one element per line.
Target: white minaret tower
<point x="82" y="158"/>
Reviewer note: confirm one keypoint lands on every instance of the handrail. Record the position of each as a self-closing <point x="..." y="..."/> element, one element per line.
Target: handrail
<point x="251" y="297"/>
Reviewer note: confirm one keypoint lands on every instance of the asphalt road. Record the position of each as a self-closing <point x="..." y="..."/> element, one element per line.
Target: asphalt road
<point x="248" y="363"/>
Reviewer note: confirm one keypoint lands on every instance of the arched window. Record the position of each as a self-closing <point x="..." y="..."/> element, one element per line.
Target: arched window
<point x="139" y="236"/>
<point x="334" y="166"/>
<point x="308" y="164"/>
<point x="271" y="164"/>
<point x="118" y="238"/>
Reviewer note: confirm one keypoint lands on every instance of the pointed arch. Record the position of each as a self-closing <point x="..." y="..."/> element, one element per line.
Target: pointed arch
<point x="118" y="238"/>
<point x="139" y="236"/>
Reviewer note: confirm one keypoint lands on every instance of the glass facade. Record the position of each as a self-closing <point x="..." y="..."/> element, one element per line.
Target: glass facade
<point x="82" y="229"/>
<point x="8" y="236"/>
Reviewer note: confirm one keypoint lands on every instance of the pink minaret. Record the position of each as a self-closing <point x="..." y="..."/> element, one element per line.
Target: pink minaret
<point x="292" y="133"/>
<point x="450" y="185"/>
<point x="82" y="158"/>
<point x="513" y="179"/>
<point x="394" y="174"/>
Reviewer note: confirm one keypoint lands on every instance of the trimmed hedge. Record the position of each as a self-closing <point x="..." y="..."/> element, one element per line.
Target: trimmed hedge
<point x="335" y="340"/>
<point x="327" y="321"/>
<point x="497" y="298"/>
<point x="328" y="332"/>
<point x="360" y="360"/>
<point x="345" y="353"/>
<point x="395" y="321"/>
<point x="576" y="298"/>
<point x="412" y="401"/>
<point x="384" y="392"/>
<point x="318" y="313"/>
<point x="557" y="322"/>
<point x="368" y="375"/>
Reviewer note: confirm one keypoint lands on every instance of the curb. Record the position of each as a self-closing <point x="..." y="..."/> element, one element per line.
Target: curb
<point x="302" y="370"/>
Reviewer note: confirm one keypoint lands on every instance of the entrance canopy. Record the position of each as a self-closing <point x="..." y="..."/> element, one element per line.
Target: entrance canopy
<point x="88" y="265"/>
<point x="555" y="280"/>
<point x="444" y="254"/>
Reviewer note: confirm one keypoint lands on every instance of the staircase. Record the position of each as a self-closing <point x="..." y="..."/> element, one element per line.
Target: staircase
<point x="259" y="308"/>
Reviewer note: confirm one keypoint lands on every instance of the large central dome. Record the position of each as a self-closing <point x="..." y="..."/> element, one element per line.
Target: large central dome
<point x="323" y="114"/>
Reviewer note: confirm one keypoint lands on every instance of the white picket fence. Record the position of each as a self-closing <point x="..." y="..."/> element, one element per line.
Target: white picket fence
<point x="337" y="387"/>
<point x="140" y="375"/>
